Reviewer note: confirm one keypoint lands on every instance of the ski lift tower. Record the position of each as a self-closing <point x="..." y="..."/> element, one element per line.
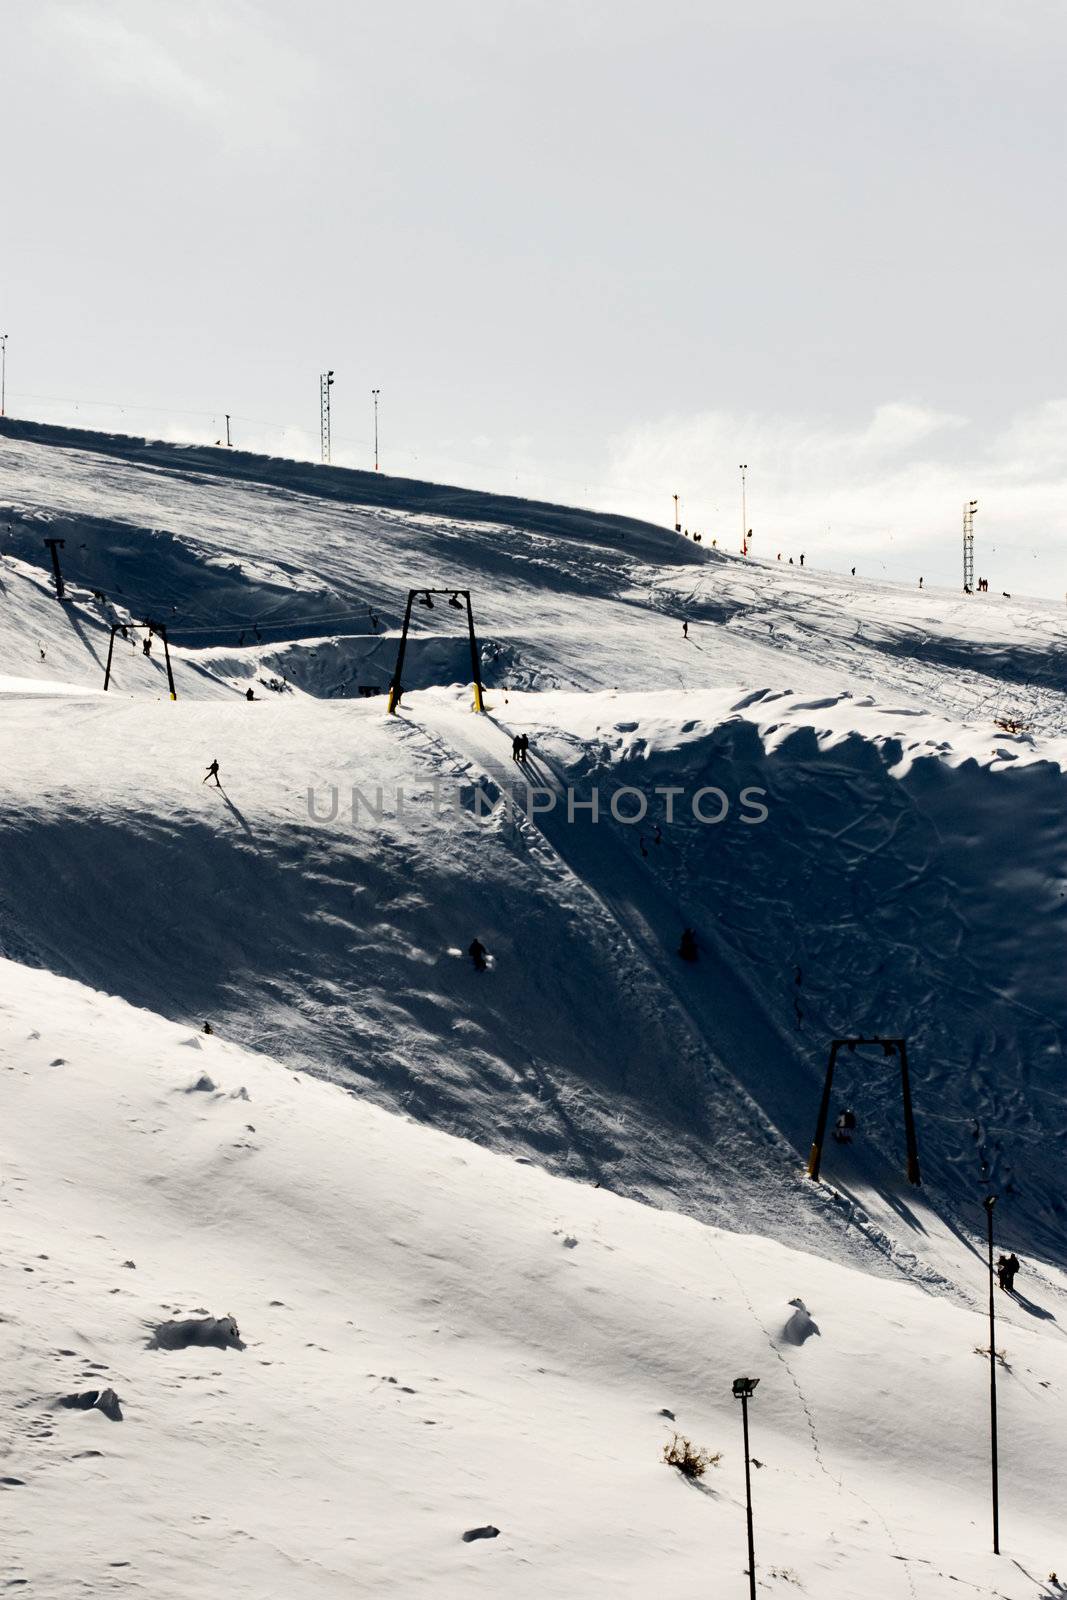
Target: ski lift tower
<point x="325" y="385"/>
<point x="969" y="511"/>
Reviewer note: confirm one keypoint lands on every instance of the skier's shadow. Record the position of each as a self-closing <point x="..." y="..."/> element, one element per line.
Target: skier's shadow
<point x="1035" y="1310"/>
<point x="233" y="809"/>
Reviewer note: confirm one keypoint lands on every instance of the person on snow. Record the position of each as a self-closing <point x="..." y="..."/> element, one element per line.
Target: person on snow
<point x="212" y="772"/>
<point x="146" y="645"/>
<point x="687" y="948"/>
<point x="477" y="952"/>
<point x="250" y="694"/>
<point x="920" y="583"/>
<point x="1007" y="1267"/>
<point x="802" y="561"/>
<point x="685" y="630"/>
<point x="524" y="747"/>
<point x="516" y="748"/>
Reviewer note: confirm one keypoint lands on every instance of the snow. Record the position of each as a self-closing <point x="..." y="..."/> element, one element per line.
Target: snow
<point x="439" y="1338"/>
<point x="558" y="1198"/>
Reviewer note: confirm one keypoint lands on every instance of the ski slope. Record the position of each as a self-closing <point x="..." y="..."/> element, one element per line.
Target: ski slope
<point x="908" y="878"/>
<point x="439" y="1339"/>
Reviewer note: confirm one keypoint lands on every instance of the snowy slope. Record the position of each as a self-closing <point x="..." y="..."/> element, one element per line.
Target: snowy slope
<point x="437" y="1339"/>
<point x="891" y="889"/>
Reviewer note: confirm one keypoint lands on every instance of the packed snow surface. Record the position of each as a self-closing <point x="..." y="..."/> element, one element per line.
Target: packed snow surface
<point x="437" y="1338"/>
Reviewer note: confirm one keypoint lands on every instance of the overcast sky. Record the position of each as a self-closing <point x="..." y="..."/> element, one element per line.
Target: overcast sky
<point x="600" y="251"/>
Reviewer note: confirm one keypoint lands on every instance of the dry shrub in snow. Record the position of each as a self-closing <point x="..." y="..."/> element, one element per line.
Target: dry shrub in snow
<point x="689" y="1458"/>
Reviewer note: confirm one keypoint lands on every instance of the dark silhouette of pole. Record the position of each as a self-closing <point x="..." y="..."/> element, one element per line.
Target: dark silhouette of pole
<point x="743" y="1391"/>
<point x="889" y="1047"/>
<point x="396" y="687"/>
<point x="989" y="1202"/>
<point x="228" y="444"/>
<point x="376" y="393"/>
<point x="161" y="630"/>
<point x="476" y="665"/>
<point x="110" y="653"/>
<point x="815" y="1158"/>
<point x="52" y="543"/>
<point x="909" y="1115"/>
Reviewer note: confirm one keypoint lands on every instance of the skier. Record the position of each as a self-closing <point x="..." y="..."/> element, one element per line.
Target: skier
<point x="212" y="772"/>
<point x="853" y="572"/>
<point x="687" y="948"/>
<point x="920" y="583"/>
<point x="524" y="747"/>
<point x="146" y="645"/>
<point x="802" y="561"/>
<point x="250" y="694"/>
<point x="685" y="630"/>
<point x="516" y="748"/>
<point x="477" y="952"/>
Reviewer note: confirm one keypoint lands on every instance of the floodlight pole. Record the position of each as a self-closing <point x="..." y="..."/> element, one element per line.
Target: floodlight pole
<point x="989" y="1202"/>
<point x="229" y="446"/>
<point x="376" y="393"/>
<point x="677" y="518"/>
<point x="3" y="374"/>
<point x="743" y="1388"/>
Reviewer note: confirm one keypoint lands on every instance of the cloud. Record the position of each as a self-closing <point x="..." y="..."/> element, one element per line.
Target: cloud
<point x="127" y="58"/>
<point x="886" y="495"/>
<point x="210" y="63"/>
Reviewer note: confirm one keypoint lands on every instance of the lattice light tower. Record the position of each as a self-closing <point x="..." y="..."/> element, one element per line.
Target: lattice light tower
<point x="969" y="512"/>
<point x="325" y="385"/>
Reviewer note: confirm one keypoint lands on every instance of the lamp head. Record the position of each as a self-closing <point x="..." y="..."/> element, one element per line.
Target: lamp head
<point x="744" y="1388"/>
